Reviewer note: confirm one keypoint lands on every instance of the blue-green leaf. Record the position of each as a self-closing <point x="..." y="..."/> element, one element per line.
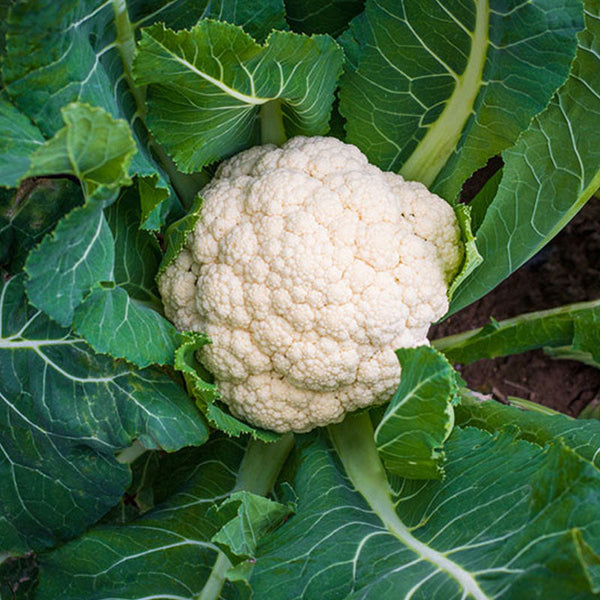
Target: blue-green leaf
<point x="64" y="412"/>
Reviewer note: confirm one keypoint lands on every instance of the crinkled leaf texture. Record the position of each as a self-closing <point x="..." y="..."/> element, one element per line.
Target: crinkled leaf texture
<point x="96" y="270"/>
<point x="81" y="51"/>
<point x="207" y="84"/>
<point x="200" y="386"/>
<point x="582" y="436"/>
<point x="420" y="417"/>
<point x="64" y="412"/>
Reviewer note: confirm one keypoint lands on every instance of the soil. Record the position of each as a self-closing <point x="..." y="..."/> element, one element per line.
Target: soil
<point x="566" y="271"/>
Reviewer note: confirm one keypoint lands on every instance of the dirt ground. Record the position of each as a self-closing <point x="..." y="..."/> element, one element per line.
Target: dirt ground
<point x="566" y="271"/>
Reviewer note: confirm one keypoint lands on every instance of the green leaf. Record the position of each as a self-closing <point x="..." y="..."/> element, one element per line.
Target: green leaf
<point x="73" y="54"/>
<point x="177" y="233"/>
<point x="166" y="553"/>
<point x="29" y="213"/>
<point x="68" y="262"/>
<point x="246" y="518"/>
<point x="315" y="16"/>
<point x="587" y="334"/>
<point x="153" y="203"/>
<point x="200" y="386"/>
<point x="508" y="518"/>
<point x="96" y="149"/>
<point x="472" y="259"/>
<point x="65" y="411"/>
<point x="436" y="88"/>
<point x="548" y="175"/>
<point x="113" y="323"/>
<point x="258" y="19"/>
<point x="574" y="325"/>
<point x="137" y="253"/>
<point x="420" y="417"/>
<point x="113" y="319"/>
<point x="206" y="86"/>
<point x="19" y="138"/>
<point x="483" y="199"/>
<point x="92" y="146"/>
<point x="582" y="436"/>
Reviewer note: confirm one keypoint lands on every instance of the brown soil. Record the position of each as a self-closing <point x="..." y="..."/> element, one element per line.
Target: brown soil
<point x="566" y="271"/>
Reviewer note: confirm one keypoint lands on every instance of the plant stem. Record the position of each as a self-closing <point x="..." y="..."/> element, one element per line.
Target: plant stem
<point x="126" y="42"/>
<point x="272" y="130"/>
<point x="557" y="331"/>
<point x="129" y="455"/>
<point x="186" y="186"/>
<point x="214" y="584"/>
<point x="258" y="472"/>
<point x="355" y="445"/>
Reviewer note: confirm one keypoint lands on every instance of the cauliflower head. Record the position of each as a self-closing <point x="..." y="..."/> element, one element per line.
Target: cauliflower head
<point x="307" y="268"/>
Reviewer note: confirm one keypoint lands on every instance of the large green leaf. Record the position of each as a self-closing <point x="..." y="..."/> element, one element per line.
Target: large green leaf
<point x="207" y="84"/>
<point x="582" y="436"/>
<point x="96" y="271"/>
<point x="96" y="149"/>
<point x="204" y="498"/>
<point x="68" y="262"/>
<point x="19" y="138"/>
<point x="166" y="553"/>
<point x="319" y="16"/>
<point x="573" y="325"/>
<point x="548" y="175"/>
<point x="420" y="416"/>
<point x="508" y="518"/>
<point x="115" y="316"/>
<point x="64" y="412"/>
<point x="122" y="327"/>
<point x="92" y="146"/>
<point x="436" y="88"/>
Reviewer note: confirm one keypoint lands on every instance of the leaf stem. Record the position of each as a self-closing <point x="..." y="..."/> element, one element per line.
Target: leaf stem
<point x="272" y="130"/>
<point x="126" y="43"/>
<point x="355" y="445"/>
<point x="258" y="472"/>
<point x="186" y="186"/>
<point x="556" y="333"/>
<point x="130" y="454"/>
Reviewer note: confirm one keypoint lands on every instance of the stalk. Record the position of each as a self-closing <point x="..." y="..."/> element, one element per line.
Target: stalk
<point x="557" y="331"/>
<point x="186" y="186"/>
<point x="354" y="443"/>
<point x="258" y="472"/>
<point x="129" y="455"/>
<point x="272" y="130"/>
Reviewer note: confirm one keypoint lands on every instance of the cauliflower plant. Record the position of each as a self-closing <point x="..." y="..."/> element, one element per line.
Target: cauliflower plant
<point x="307" y="269"/>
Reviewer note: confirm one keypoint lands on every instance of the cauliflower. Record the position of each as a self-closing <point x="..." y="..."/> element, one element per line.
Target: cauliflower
<point x="307" y="268"/>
